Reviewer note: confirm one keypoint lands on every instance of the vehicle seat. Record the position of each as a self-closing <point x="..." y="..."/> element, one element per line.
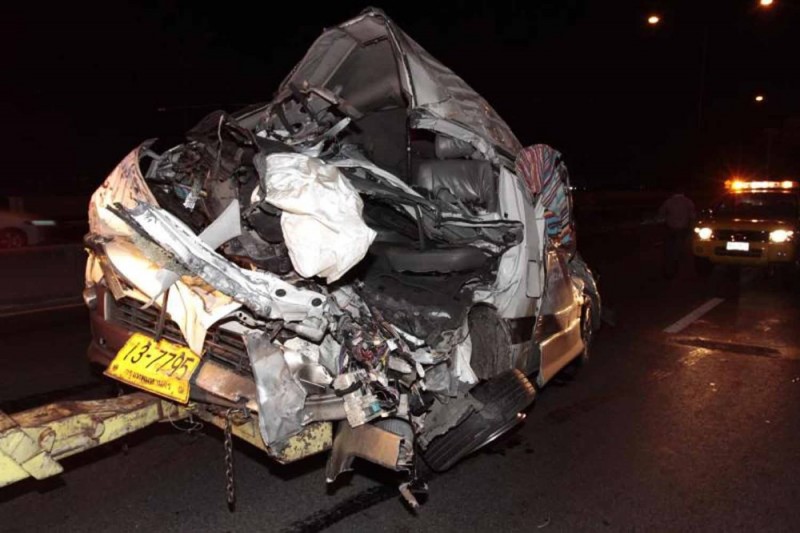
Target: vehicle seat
<point x="471" y="181"/>
<point x="409" y="258"/>
<point x="468" y="180"/>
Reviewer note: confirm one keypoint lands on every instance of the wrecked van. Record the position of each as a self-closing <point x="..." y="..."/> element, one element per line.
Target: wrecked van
<point x="370" y="265"/>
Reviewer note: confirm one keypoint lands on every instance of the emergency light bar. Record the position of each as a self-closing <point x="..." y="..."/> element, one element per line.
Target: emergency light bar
<point x="741" y="185"/>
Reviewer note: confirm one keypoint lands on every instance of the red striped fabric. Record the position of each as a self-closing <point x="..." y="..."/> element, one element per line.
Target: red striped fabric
<point x="546" y="176"/>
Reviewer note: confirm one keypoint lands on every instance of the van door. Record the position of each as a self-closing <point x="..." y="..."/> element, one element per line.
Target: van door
<point x="558" y="326"/>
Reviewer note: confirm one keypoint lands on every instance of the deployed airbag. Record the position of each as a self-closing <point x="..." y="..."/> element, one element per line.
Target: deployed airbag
<point x="321" y="220"/>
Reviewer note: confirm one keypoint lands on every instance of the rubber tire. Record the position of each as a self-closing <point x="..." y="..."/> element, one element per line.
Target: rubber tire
<point x="503" y="398"/>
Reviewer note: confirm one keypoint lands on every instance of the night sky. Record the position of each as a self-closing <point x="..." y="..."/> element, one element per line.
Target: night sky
<point x="621" y="99"/>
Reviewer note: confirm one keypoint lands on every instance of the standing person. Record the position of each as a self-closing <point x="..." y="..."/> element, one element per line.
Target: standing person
<point x="678" y="214"/>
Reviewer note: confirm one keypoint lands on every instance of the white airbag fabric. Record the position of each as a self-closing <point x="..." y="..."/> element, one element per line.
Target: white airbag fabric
<point x="321" y="221"/>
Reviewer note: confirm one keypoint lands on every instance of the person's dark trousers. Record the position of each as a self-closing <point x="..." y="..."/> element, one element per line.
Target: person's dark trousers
<point x="674" y="248"/>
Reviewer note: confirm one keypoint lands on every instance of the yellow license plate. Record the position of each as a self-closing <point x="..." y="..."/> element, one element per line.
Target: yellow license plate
<point x="160" y="367"/>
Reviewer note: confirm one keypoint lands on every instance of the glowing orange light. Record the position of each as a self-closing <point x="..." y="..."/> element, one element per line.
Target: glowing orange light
<point x="653" y="20"/>
<point x="738" y="185"/>
<point x="765" y="3"/>
<point x="760" y="98"/>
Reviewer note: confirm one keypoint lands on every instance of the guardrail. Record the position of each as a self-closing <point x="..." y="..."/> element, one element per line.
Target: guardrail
<point x="41" y="276"/>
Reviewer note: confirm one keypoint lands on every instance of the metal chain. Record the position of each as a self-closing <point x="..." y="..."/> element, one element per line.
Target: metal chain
<point x="230" y="488"/>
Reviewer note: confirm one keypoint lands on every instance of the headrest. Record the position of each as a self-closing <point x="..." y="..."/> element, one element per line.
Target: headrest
<point x="449" y="148"/>
<point x="469" y="180"/>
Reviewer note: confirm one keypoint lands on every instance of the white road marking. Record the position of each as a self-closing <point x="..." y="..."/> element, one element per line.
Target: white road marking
<point x="694" y="315"/>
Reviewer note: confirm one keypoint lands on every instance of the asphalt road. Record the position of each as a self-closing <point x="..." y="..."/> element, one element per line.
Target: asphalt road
<point x="696" y="429"/>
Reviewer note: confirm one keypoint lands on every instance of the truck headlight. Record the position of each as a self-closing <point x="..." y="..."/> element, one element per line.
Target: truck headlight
<point x="704" y="234"/>
<point x="780" y="235"/>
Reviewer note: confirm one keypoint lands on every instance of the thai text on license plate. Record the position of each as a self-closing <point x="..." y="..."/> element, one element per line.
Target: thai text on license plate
<point x="160" y="367"/>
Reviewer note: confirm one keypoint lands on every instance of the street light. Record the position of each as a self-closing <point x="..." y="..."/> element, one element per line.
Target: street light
<point x="653" y="20"/>
<point x="765" y="3"/>
<point x="759" y="98"/>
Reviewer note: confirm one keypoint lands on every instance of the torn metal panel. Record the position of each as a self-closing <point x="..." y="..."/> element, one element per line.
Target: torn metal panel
<point x="194" y="311"/>
<point x="367" y="442"/>
<point x="126" y="187"/>
<point x="432" y="87"/>
<point x="226" y="384"/>
<point x="425" y="121"/>
<point x="440" y="379"/>
<point x="425" y="356"/>
<point x="264" y="293"/>
<point x="400" y="365"/>
<point x="516" y="289"/>
<point x="302" y="357"/>
<point x="329" y="353"/>
<point x="325" y="407"/>
<point x="280" y="396"/>
<point x="440" y="92"/>
<point x="98" y="269"/>
<point x="110" y="277"/>
<point x="224" y="228"/>
<point x="311" y="328"/>
<point x="461" y="358"/>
